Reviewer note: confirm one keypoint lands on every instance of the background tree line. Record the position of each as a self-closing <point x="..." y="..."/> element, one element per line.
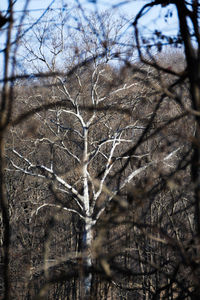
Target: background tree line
<point x="100" y="162"/>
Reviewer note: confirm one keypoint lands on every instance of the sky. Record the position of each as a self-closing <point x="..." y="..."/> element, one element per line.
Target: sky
<point x="154" y="19"/>
<point x="127" y="10"/>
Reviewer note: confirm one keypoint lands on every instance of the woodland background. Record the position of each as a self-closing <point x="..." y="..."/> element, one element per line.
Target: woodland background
<point x="100" y="156"/>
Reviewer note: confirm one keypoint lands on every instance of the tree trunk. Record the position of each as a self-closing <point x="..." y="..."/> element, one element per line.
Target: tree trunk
<point x="87" y="259"/>
<point x="87" y="236"/>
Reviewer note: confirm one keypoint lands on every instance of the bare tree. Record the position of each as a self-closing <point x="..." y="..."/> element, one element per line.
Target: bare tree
<point x="107" y="162"/>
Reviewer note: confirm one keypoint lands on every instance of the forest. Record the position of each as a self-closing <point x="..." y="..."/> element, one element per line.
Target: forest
<point x="99" y="154"/>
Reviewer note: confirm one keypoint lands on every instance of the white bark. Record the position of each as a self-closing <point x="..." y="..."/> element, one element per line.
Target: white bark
<point x="88" y="237"/>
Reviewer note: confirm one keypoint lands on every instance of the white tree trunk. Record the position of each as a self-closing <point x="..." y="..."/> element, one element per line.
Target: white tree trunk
<point x="87" y="236"/>
<point x="87" y="242"/>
